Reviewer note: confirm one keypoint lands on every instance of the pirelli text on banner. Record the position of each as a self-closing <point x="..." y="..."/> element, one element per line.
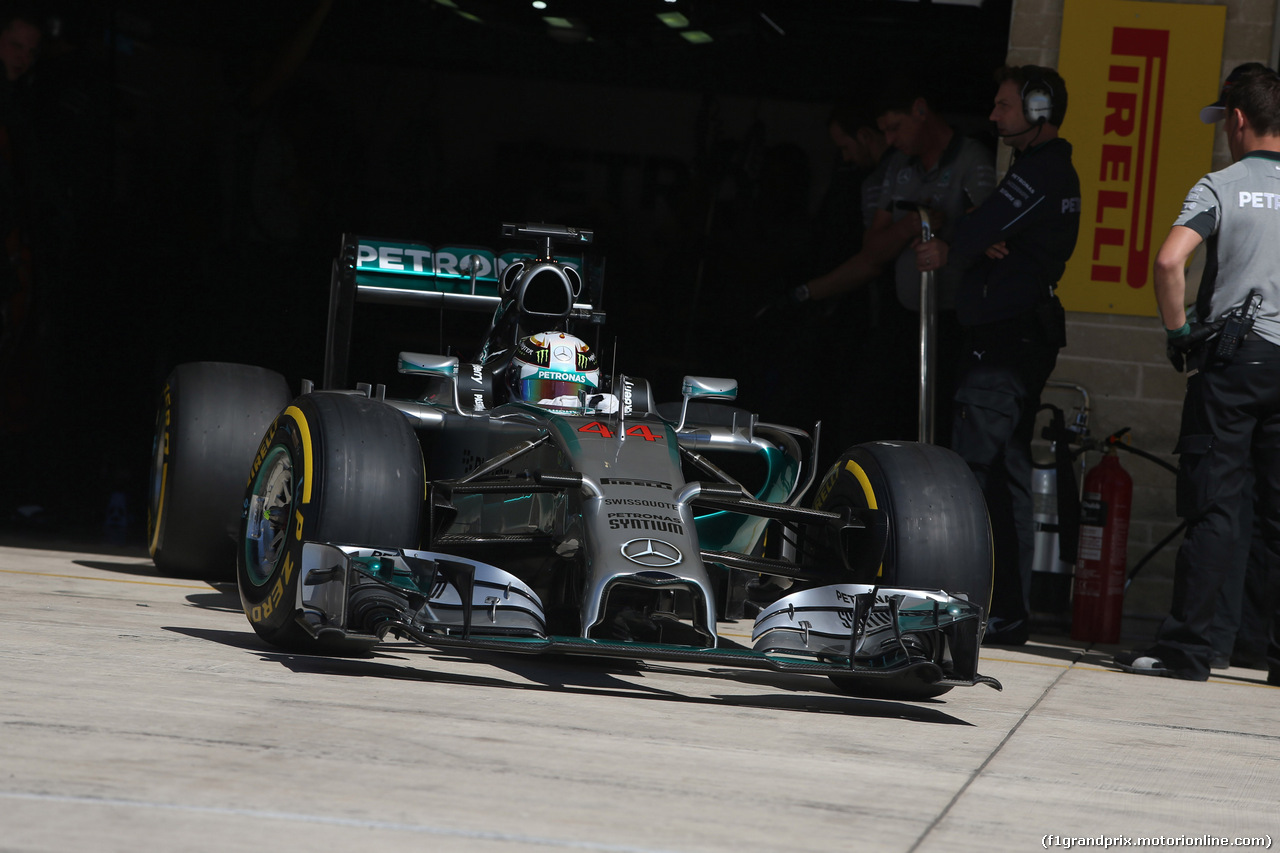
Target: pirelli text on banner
<point x="1139" y="74"/>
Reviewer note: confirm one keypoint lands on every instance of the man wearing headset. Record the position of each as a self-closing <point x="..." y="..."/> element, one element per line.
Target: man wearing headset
<point x="1011" y="251"/>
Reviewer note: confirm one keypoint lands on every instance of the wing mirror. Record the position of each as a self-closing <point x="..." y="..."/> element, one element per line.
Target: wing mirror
<point x="705" y="388"/>
<point x="438" y="366"/>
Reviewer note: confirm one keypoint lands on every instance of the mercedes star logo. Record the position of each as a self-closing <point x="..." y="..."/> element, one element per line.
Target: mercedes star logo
<point x="563" y="354"/>
<point x="652" y="553"/>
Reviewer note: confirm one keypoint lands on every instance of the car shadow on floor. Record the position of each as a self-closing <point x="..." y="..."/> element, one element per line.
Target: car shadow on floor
<point x="221" y="596"/>
<point x="141" y="566"/>
<point x="589" y="676"/>
<point x="67" y="544"/>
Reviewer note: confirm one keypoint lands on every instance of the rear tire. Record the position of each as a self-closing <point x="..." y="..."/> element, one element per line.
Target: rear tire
<point x="939" y="533"/>
<point x="333" y="468"/>
<point x="210" y="419"/>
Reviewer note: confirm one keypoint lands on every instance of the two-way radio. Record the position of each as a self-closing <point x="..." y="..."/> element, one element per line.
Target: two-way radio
<point x="1237" y="325"/>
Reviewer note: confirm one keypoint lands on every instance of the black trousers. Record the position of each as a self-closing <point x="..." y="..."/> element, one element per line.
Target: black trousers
<point x="1230" y="427"/>
<point x="1004" y="368"/>
<point x="1242" y="619"/>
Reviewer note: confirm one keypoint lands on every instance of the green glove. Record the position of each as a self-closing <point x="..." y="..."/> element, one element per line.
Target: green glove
<point x="1177" y="342"/>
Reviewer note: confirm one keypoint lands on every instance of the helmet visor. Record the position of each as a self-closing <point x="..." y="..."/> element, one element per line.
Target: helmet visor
<point x="551" y="392"/>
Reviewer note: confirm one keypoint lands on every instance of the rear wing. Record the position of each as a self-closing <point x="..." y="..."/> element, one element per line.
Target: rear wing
<point x="456" y="277"/>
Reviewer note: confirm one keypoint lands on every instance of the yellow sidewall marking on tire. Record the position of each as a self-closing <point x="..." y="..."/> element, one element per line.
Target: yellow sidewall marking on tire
<point x="159" y="519"/>
<point x="164" y="473"/>
<point x="301" y="420"/>
<point x="863" y="480"/>
<point x="869" y="493"/>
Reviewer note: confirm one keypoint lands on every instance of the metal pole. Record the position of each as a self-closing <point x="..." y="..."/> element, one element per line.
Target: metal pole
<point x="928" y="338"/>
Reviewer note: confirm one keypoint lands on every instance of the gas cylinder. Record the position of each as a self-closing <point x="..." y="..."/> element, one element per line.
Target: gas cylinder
<point x="1050" y="574"/>
<point x="1098" y="591"/>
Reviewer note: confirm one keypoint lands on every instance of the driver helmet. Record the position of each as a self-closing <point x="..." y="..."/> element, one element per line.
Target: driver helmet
<point x="553" y="370"/>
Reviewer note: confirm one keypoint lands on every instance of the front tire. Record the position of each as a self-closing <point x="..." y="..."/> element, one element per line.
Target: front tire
<point x="210" y="419"/>
<point x="939" y="533"/>
<point x="333" y="468"/>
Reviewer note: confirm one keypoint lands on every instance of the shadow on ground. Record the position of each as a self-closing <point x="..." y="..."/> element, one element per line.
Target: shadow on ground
<point x="590" y="676"/>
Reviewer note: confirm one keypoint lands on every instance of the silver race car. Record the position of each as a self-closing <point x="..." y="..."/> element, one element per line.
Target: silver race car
<point x="533" y="501"/>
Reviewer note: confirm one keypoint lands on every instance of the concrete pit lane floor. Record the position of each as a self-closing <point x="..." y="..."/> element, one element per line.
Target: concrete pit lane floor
<point x="139" y="712"/>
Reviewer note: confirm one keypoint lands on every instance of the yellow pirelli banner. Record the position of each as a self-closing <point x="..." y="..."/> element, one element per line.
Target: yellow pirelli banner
<point x="1137" y="75"/>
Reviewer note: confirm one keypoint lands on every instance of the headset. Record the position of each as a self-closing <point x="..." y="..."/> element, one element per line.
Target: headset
<point x="1037" y="97"/>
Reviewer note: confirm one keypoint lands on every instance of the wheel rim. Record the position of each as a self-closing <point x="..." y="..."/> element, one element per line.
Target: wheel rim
<point x="839" y="548"/>
<point x="269" y="510"/>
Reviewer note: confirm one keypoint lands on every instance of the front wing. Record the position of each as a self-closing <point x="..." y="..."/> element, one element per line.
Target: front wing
<point x="854" y="631"/>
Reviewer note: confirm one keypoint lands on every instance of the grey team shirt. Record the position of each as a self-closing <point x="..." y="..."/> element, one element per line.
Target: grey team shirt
<point x="1237" y="212"/>
<point x="962" y="179"/>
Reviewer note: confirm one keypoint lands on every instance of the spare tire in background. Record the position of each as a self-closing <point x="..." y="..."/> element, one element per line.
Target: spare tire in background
<point x="211" y="418"/>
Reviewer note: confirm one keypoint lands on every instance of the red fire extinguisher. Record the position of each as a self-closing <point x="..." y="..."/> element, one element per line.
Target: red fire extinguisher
<point x="1098" y="590"/>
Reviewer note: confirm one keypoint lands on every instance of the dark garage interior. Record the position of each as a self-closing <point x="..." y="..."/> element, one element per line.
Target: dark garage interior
<point x="199" y="162"/>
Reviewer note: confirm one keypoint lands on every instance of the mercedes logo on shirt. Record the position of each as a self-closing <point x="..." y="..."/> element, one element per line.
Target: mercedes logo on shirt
<point x="652" y="553"/>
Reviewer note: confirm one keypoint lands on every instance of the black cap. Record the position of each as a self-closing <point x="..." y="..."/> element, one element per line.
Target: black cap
<point x="1216" y="110"/>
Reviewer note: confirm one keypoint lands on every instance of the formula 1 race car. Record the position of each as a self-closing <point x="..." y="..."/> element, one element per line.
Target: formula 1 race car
<point x="531" y="501"/>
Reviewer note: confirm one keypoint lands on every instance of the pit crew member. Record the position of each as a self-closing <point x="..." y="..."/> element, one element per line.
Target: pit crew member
<point x="1012" y="250"/>
<point x="1231" y="414"/>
